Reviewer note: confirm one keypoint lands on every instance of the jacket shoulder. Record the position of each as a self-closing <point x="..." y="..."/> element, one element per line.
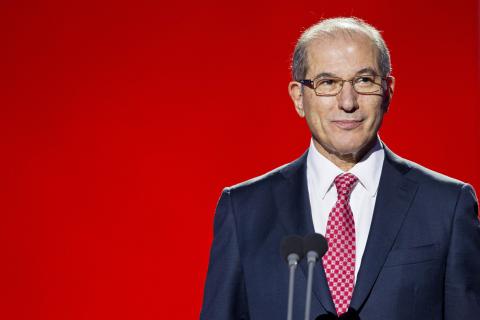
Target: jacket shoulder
<point x="262" y="179"/>
<point x="272" y="176"/>
<point x="261" y="185"/>
<point x="424" y="176"/>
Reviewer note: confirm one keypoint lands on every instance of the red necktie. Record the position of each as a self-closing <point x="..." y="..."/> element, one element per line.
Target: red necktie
<point x="339" y="261"/>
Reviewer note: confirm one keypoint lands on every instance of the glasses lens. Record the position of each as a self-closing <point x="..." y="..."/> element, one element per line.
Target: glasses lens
<point x="366" y="84"/>
<point x="327" y="86"/>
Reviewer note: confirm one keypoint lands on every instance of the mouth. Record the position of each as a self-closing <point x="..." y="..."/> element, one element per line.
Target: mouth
<point x="347" y="124"/>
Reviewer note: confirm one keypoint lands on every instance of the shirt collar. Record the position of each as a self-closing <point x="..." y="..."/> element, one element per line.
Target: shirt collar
<point x="367" y="170"/>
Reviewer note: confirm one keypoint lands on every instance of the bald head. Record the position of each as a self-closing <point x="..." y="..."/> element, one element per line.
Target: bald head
<point x="338" y="27"/>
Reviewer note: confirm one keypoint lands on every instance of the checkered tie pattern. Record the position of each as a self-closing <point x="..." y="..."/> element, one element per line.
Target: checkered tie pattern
<point x="339" y="261"/>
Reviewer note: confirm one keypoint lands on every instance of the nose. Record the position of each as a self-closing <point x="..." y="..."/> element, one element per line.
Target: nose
<point x="347" y="98"/>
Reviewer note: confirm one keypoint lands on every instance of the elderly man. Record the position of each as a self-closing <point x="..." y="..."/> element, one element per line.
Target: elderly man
<point x="404" y="241"/>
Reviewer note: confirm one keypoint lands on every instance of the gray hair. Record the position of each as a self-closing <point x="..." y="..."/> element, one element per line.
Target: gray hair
<point x="330" y="27"/>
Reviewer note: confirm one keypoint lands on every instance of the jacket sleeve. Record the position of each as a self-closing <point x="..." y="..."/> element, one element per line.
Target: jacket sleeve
<point x="462" y="278"/>
<point x="224" y="295"/>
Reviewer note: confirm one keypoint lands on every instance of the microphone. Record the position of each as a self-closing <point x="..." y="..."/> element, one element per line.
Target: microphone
<point x="315" y="246"/>
<point x="291" y="249"/>
<point x="351" y="314"/>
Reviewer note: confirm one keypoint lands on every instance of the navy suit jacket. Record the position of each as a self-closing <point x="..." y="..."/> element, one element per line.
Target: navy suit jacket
<point x="421" y="261"/>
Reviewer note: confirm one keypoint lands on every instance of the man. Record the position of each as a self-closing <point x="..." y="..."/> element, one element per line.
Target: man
<point x="404" y="241"/>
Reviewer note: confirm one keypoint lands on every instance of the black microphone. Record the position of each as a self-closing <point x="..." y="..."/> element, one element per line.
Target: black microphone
<point x="351" y="314"/>
<point x="314" y="245"/>
<point x="291" y="249"/>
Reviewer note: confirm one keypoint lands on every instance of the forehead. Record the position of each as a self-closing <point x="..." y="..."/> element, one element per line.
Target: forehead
<point x="341" y="54"/>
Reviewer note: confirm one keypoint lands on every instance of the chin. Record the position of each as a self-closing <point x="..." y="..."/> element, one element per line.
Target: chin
<point x="352" y="143"/>
<point x="347" y="148"/>
<point x="343" y="145"/>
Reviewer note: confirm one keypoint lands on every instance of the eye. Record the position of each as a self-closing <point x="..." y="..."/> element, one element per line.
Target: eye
<point x="365" y="79"/>
<point x="326" y="82"/>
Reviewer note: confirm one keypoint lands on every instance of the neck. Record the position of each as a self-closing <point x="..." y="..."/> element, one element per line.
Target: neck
<point x="344" y="161"/>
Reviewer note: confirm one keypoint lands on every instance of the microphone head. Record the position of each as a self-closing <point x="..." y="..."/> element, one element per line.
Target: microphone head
<point x="351" y="314"/>
<point x="315" y="242"/>
<point x="328" y="316"/>
<point x="292" y="244"/>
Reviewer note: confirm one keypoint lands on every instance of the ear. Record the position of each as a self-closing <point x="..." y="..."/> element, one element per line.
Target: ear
<point x="296" y="94"/>
<point x="389" y="92"/>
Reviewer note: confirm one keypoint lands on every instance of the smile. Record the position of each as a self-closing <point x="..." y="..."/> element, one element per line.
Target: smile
<point x="347" y="124"/>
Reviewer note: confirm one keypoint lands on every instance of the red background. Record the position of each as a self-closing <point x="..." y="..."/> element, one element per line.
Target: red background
<point x="122" y="121"/>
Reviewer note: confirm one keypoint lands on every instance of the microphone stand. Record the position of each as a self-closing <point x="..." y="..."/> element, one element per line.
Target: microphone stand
<point x="312" y="258"/>
<point x="292" y="265"/>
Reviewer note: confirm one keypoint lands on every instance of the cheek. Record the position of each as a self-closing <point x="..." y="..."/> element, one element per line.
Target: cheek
<point x="315" y="119"/>
<point x="317" y="122"/>
<point x="317" y="110"/>
<point x="378" y="117"/>
<point x="374" y="112"/>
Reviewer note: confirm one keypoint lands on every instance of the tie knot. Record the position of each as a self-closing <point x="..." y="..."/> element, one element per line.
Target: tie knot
<point x="345" y="183"/>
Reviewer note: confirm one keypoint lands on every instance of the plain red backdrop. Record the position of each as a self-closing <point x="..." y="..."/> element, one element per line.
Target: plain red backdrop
<point x="121" y="122"/>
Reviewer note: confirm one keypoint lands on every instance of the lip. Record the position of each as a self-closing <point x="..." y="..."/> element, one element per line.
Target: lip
<point x="347" y="124"/>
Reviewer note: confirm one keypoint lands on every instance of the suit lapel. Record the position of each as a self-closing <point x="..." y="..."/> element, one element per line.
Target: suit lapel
<point x="293" y="205"/>
<point x="395" y="194"/>
<point x="291" y="198"/>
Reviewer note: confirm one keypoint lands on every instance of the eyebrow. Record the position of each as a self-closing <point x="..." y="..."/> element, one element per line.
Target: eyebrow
<point x="325" y="74"/>
<point x="367" y="70"/>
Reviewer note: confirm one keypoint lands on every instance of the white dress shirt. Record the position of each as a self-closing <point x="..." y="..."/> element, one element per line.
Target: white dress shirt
<point x="322" y="192"/>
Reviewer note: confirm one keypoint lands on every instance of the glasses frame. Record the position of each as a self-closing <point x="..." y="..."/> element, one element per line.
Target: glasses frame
<point x="310" y="84"/>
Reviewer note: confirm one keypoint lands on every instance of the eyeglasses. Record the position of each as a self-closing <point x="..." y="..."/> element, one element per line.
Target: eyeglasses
<point x="331" y="86"/>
